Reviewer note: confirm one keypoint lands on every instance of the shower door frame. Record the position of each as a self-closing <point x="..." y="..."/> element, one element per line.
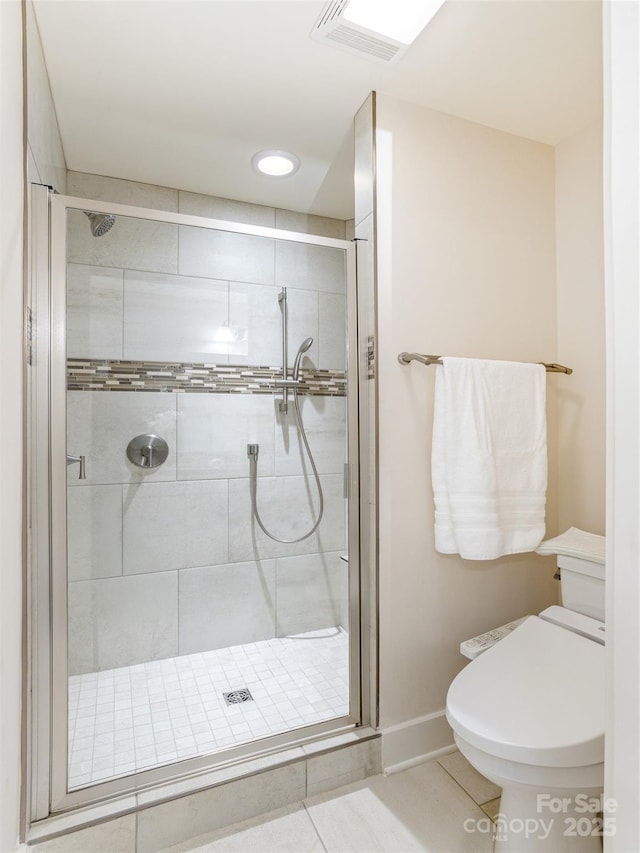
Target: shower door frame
<point x="48" y="670"/>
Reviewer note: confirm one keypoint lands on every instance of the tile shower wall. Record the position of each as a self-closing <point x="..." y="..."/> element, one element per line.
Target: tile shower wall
<point x="168" y="562"/>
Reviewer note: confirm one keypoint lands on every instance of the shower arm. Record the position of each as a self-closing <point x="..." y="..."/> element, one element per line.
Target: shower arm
<point x="282" y="301"/>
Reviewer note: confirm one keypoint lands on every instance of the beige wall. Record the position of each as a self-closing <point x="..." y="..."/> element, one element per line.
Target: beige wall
<point x="11" y="269"/>
<point x="45" y="156"/>
<point x="581" y="331"/>
<point x="466" y="266"/>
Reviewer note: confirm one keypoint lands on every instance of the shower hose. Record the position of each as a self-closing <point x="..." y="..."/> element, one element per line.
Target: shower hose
<point x="252" y="451"/>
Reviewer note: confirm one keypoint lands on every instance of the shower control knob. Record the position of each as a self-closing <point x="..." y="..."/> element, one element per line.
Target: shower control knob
<point x="147" y="451"/>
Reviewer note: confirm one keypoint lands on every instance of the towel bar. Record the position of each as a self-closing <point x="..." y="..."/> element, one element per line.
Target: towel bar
<point x="407" y="357"/>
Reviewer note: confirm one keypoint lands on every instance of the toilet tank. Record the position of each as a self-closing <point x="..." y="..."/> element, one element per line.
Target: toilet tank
<point x="582" y="586"/>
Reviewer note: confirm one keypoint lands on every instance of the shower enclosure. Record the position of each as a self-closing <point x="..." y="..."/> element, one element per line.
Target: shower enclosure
<point x="201" y="514"/>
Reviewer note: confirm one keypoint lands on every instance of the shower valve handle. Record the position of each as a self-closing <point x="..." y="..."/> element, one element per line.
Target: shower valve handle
<point x="147" y="451"/>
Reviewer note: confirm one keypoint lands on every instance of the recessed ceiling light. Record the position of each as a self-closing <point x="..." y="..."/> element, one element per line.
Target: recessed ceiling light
<point x="277" y="164"/>
<point x="402" y="20"/>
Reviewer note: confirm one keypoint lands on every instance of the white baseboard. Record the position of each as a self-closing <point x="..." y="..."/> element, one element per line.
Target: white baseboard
<point x="414" y="741"/>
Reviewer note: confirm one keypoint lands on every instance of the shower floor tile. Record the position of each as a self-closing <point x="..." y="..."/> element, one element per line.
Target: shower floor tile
<point x="130" y="719"/>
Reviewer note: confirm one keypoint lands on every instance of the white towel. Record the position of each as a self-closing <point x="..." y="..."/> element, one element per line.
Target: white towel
<point x="489" y="457"/>
<point x="576" y="543"/>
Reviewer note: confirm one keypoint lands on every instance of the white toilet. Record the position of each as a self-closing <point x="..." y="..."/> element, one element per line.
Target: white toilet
<point x="529" y="715"/>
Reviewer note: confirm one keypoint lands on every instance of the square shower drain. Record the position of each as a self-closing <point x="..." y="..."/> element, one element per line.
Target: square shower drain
<point x="235" y="697"/>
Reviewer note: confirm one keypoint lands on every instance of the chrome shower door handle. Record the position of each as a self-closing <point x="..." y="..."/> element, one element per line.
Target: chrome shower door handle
<point x="81" y="459"/>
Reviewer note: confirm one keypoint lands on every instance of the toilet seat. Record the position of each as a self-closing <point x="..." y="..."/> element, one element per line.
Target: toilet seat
<point x="536" y="697"/>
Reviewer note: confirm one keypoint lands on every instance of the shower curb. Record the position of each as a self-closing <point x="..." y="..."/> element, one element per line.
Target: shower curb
<point x="316" y="779"/>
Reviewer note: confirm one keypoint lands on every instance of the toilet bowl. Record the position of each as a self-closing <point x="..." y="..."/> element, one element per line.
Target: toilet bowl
<point x="528" y="714"/>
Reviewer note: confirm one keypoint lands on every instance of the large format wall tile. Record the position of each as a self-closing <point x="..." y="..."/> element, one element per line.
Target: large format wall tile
<point x="255" y="310"/>
<point x="288" y="508"/>
<point x="132" y="243"/>
<point x="174" y="526"/>
<point x="94" y="311"/>
<point x="94" y="525"/>
<point x="116" y="835"/>
<point x="100" y="425"/>
<point x="122" y="621"/>
<point x="174" y="318"/>
<point x="312" y="589"/>
<point x="343" y="766"/>
<point x="309" y="223"/>
<point x="255" y="314"/>
<point x="172" y="314"/>
<point x="302" y="322"/>
<point x="226" y="605"/>
<point x="310" y="267"/>
<point x="214" y="430"/>
<point x="324" y="421"/>
<point x="227" y="209"/>
<point x="86" y="185"/>
<point x="224" y="255"/>
<point x="193" y="815"/>
<point x="332" y="323"/>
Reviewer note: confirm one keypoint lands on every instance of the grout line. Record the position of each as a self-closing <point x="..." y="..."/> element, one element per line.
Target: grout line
<point x="313" y="823"/>
<point x="136" y="833"/>
<point x="122" y="514"/>
<point x="486" y="812"/>
<point x="122" y="318"/>
<point x="460" y="785"/>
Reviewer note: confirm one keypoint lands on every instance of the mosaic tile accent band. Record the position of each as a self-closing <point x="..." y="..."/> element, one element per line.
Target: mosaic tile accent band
<point x="103" y="375"/>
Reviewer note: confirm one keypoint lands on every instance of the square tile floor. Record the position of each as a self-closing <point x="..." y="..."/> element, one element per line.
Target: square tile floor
<point x="137" y="717"/>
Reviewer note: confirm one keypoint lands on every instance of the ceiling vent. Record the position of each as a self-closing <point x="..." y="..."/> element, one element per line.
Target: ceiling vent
<point x="333" y="29"/>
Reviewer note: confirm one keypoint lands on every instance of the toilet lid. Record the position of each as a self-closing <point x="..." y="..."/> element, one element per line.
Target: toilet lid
<point x="536" y="697"/>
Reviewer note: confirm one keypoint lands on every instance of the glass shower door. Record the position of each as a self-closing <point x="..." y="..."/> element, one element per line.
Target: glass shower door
<point x="191" y="629"/>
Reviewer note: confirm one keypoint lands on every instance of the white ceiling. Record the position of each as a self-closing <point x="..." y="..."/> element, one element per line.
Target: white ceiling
<point x="183" y="93"/>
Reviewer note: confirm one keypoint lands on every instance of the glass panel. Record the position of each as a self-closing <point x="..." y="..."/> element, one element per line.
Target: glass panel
<point x="191" y="628"/>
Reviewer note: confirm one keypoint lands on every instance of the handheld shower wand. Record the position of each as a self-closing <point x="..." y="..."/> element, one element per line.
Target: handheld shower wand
<point x="304" y="346"/>
<point x="253" y="450"/>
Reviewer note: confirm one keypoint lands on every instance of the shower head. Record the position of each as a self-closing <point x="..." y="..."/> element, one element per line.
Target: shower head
<point x="100" y="223"/>
<point x="304" y="346"/>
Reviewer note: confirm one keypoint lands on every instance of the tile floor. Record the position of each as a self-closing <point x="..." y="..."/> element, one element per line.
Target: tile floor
<point x="439" y="807"/>
<point x="137" y="717"/>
